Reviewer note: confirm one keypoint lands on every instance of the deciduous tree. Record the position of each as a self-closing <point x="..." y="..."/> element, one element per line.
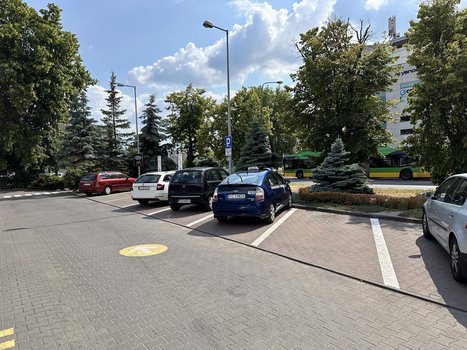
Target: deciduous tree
<point x="40" y="69"/>
<point x="336" y="88"/>
<point x="438" y="103"/>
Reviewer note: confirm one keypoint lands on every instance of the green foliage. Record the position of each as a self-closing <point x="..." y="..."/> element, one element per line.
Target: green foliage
<point x="438" y="104"/>
<point x="49" y="182"/>
<point x="40" y="70"/>
<point x="187" y="111"/>
<point x="72" y="177"/>
<point x="390" y="202"/>
<point x="207" y="161"/>
<point x="256" y="150"/>
<point x="115" y="139"/>
<point x="335" y="89"/>
<point x="81" y="143"/>
<point x="333" y="175"/>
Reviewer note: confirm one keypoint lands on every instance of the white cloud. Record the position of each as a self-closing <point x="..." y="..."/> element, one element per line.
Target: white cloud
<point x="263" y="43"/>
<point x="375" y="4"/>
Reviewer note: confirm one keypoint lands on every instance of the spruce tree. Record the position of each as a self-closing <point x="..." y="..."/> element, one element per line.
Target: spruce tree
<point x="81" y="142"/>
<point x="334" y="175"/>
<point x="115" y="139"/>
<point x="256" y="151"/>
<point x="152" y="136"/>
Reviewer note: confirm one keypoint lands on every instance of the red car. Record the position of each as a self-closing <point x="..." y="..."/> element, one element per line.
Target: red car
<point x="105" y="182"/>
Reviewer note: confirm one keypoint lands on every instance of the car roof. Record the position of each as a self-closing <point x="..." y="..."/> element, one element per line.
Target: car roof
<point x="202" y="168"/>
<point x="158" y="172"/>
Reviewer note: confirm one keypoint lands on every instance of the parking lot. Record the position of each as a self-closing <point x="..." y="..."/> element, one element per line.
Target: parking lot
<point x="385" y="252"/>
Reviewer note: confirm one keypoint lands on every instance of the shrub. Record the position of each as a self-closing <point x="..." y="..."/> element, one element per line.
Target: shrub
<point x="72" y="177"/>
<point x="391" y="202"/>
<point x="49" y="182"/>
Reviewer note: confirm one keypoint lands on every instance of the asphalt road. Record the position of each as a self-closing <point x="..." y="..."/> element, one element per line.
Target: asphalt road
<point x="65" y="285"/>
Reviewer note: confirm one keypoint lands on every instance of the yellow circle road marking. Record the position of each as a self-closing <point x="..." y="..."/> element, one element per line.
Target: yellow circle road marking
<point x="143" y="250"/>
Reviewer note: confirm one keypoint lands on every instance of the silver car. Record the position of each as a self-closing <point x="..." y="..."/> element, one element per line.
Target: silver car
<point x="445" y="219"/>
<point x="151" y="186"/>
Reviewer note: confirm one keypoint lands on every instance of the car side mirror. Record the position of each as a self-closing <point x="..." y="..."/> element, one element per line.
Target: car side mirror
<point x="427" y="195"/>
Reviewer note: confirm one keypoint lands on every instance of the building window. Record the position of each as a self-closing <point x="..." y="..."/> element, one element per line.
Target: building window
<point x="406" y="131"/>
<point x="405" y="118"/>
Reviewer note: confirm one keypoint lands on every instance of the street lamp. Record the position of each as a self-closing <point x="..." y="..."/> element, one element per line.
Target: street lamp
<point x="262" y="94"/>
<point x="136" y="117"/>
<point x="207" y="24"/>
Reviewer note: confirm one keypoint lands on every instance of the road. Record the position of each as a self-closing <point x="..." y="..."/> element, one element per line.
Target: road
<point x="64" y="283"/>
<point x="394" y="183"/>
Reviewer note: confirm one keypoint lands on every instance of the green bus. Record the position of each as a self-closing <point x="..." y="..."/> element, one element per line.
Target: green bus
<point x="389" y="163"/>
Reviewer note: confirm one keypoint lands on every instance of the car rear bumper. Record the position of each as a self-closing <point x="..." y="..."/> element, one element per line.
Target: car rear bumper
<point x="180" y="199"/>
<point x="152" y="196"/>
<point x="259" y="210"/>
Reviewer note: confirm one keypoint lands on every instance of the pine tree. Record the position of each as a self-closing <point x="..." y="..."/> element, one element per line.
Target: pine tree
<point x="81" y="143"/>
<point x="152" y="136"/>
<point x="115" y="140"/>
<point x="256" y="151"/>
<point x="333" y="175"/>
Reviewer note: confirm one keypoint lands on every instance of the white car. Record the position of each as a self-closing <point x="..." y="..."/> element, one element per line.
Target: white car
<point x="445" y="219"/>
<point x="151" y="186"/>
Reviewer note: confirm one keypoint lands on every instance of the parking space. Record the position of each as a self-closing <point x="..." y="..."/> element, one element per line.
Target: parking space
<point x="346" y="244"/>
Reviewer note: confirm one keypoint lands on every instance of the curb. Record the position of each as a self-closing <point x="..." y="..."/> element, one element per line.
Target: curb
<point x="353" y="213"/>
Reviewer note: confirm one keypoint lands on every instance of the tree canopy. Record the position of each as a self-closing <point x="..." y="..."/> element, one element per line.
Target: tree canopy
<point x="336" y="89"/>
<point x="438" y="103"/>
<point x="40" y="69"/>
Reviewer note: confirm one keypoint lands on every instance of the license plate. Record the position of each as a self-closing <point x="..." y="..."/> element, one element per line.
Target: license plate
<point x="236" y="196"/>
<point x="143" y="187"/>
<point x="184" y="201"/>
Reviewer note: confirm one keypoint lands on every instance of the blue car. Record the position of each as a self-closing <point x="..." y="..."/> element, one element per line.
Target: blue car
<point x="260" y="194"/>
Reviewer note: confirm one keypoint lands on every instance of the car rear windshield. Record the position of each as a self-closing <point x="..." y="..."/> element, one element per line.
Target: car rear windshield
<point x="187" y="177"/>
<point x="246" y="178"/>
<point x="91" y="177"/>
<point x="148" y="178"/>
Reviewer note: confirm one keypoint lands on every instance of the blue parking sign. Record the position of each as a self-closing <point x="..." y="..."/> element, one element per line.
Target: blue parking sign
<point x="228" y="141"/>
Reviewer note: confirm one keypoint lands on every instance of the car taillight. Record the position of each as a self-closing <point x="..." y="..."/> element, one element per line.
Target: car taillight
<point x="160" y="186"/>
<point x="215" y="196"/>
<point x="259" y="196"/>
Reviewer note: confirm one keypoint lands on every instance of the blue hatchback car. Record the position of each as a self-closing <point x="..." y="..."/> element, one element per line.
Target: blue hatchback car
<point x="259" y="193"/>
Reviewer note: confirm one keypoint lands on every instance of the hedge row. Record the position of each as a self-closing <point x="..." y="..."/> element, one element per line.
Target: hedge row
<point x="47" y="182"/>
<point x="391" y="202"/>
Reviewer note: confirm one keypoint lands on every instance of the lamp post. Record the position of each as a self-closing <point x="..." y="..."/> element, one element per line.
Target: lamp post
<point x="209" y="25"/>
<point x="136" y="118"/>
<point x="262" y="94"/>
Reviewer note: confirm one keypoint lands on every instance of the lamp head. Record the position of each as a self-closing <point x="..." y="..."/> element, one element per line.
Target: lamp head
<point x="279" y="82"/>
<point x="207" y="24"/>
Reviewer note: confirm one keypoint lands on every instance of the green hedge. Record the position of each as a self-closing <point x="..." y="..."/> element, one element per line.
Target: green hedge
<point x="402" y="203"/>
<point x="48" y="182"/>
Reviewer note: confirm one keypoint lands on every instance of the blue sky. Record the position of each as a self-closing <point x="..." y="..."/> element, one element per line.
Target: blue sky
<point x="160" y="46"/>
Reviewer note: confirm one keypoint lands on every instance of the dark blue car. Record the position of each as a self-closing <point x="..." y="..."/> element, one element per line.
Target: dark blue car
<point x="259" y="193"/>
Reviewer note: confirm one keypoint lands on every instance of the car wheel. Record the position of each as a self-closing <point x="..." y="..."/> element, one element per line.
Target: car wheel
<point x="221" y="218"/>
<point x="456" y="267"/>
<point x="108" y="190"/>
<point x="175" y="207"/>
<point x="271" y="214"/>
<point x="299" y="174"/>
<point x="406" y="174"/>
<point x="143" y="201"/>
<point x="208" y="205"/>
<point x="289" y="201"/>
<point x="426" y="230"/>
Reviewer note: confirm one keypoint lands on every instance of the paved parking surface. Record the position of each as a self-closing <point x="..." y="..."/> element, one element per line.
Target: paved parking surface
<point x="64" y="285"/>
<point x="341" y="243"/>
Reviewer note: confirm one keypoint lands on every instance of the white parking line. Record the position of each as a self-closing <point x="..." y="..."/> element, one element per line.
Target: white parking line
<point x="200" y="220"/>
<point x="7" y="197"/>
<point x="129" y="205"/>
<point x="159" y="211"/>
<point x="270" y="230"/>
<point x="387" y="270"/>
